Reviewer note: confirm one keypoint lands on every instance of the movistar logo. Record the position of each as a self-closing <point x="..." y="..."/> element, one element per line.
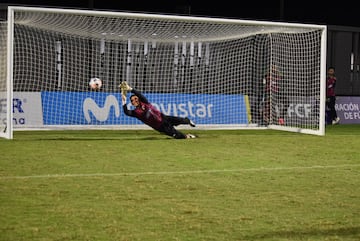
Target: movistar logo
<point x="100" y="113"/>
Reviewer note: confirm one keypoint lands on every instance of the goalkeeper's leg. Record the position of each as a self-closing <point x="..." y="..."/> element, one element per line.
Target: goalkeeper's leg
<point x="175" y="121"/>
<point x="168" y="129"/>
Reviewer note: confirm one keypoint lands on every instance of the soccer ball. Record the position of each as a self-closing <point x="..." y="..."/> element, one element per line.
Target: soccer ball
<point x="95" y="83"/>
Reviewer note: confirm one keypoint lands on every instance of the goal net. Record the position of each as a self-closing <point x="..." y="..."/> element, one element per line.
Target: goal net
<point x="221" y="73"/>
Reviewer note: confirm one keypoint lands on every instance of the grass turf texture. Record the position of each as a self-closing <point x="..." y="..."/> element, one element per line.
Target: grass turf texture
<point x="140" y="185"/>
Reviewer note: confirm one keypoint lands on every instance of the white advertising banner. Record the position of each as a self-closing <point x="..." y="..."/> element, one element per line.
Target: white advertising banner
<point x="27" y="110"/>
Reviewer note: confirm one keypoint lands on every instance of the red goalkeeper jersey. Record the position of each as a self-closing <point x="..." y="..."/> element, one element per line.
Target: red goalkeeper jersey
<point x="145" y="112"/>
<point x="330" y="86"/>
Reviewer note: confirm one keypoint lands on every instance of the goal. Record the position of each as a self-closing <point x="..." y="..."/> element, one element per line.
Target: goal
<point x="221" y="73"/>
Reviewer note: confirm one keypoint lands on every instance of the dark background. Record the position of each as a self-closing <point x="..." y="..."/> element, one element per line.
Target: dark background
<point x="342" y="13"/>
<point x="341" y="17"/>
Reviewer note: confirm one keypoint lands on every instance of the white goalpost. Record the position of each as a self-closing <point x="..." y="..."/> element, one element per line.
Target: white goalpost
<point x="221" y="73"/>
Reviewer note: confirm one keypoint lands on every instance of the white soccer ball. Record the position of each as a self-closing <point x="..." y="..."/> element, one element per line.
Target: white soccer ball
<point x="95" y="83"/>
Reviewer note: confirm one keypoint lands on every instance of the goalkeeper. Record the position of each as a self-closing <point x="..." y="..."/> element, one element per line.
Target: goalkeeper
<point x="149" y="115"/>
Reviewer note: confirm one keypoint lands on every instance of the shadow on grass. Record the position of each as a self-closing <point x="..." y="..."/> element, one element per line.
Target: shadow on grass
<point x="305" y="234"/>
<point x="91" y="135"/>
<point x="92" y="138"/>
<point x="86" y="135"/>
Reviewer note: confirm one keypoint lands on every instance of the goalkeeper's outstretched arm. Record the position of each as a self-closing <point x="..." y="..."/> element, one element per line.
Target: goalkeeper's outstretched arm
<point x="125" y="87"/>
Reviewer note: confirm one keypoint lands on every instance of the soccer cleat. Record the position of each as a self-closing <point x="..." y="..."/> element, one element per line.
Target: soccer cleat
<point x="190" y="122"/>
<point x="336" y="121"/>
<point x="190" y="136"/>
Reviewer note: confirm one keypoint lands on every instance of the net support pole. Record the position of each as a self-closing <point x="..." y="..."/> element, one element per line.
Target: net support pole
<point x="176" y="63"/>
<point x="199" y="53"/>
<point x="128" y="62"/>
<point x="146" y="51"/>
<point x="58" y="63"/>
<point x="102" y="58"/>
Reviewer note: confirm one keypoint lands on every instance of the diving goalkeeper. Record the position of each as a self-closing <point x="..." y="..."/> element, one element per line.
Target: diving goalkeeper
<point x="151" y="116"/>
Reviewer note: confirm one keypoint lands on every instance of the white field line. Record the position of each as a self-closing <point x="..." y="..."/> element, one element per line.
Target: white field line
<point x="260" y="169"/>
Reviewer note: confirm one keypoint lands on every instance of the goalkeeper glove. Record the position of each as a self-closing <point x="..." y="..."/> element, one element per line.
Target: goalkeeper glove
<point x="124" y="87"/>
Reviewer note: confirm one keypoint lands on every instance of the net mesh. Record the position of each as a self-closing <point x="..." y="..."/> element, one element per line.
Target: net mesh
<point x="3" y="83"/>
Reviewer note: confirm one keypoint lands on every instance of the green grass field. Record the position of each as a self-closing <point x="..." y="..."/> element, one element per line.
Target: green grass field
<point x="140" y="185"/>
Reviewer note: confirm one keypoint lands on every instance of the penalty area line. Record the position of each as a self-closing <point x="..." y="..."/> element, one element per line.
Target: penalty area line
<point x="78" y="175"/>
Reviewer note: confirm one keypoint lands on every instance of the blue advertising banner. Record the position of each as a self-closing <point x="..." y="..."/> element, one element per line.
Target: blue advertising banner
<point x="98" y="108"/>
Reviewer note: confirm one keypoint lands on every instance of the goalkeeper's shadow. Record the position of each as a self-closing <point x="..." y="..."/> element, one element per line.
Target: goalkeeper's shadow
<point x="95" y="138"/>
<point x="151" y="138"/>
